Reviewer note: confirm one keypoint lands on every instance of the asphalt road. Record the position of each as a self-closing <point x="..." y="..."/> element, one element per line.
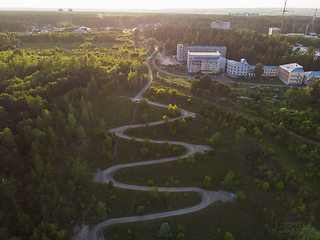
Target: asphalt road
<point x="208" y="197"/>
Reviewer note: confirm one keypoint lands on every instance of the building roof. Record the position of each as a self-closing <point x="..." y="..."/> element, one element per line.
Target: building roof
<point x="312" y="74"/>
<point x="205" y="54"/>
<point x="203" y="46"/>
<point x="292" y="67"/>
<point x="270" y="67"/>
<point x="302" y="48"/>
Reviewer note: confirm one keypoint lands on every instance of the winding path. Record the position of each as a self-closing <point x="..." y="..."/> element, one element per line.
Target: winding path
<point x="208" y="197"/>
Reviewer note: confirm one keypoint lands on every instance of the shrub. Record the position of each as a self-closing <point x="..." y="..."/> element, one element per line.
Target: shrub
<point x="207" y="182"/>
<point x="140" y="209"/>
<point x="279" y="186"/>
<point x="241" y="195"/>
<point x="150" y="182"/>
<point x="265" y="186"/>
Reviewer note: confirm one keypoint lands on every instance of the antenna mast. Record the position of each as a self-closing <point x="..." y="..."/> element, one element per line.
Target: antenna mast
<point x="313" y="21"/>
<point x="284" y="10"/>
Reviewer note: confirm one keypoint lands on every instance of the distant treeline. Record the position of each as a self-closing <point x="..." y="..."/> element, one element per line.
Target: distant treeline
<point x="20" y="21"/>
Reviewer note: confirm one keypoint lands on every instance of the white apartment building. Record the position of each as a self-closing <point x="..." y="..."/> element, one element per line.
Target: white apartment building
<point x="182" y="51"/>
<point x="237" y="69"/>
<point x="220" y="25"/>
<point x="205" y="62"/>
<point x="273" y="31"/>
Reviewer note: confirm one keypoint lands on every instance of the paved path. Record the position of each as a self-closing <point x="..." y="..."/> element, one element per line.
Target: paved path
<point x="208" y="197"/>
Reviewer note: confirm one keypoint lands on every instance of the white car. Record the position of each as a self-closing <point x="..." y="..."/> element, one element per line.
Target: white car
<point x="136" y="100"/>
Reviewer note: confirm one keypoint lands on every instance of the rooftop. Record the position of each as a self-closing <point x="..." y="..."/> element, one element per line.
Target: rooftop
<point x="205" y="54"/>
<point x="312" y="74"/>
<point x="292" y="67"/>
<point x="270" y="67"/>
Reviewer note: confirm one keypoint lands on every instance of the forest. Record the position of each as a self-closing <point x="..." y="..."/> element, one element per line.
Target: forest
<point x="46" y="113"/>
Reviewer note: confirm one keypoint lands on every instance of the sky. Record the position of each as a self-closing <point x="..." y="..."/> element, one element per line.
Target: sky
<point x="147" y="4"/>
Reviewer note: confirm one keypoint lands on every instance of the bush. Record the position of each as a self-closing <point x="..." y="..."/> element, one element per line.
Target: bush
<point x="150" y="183"/>
<point x="140" y="209"/>
<point x="265" y="186"/>
<point x="279" y="186"/>
<point x="207" y="182"/>
<point x="241" y="195"/>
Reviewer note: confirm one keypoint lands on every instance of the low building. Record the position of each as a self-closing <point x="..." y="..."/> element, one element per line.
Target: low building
<point x="302" y="49"/>
<point x="237" y="69"/>
<point x="244" y="14"/>
<point x="204" y="62"/>
<point x="270" y="71"/>
<point x="273" y="31"/>
<point x="291" y="73"/>
<point x="182" y="51"/>
<point x="220" y="25"/>
<point x="82" y="30"/>
<point x="311" y="77"/>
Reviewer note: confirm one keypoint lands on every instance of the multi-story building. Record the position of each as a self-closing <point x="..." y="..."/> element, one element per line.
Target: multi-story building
<point x="237" y="69"/>
<point x="291" y="73"/>
<point x="205" y="62"/>
<point x="220" y="25"/>
<point x="270" y="71"/>
<point x="311" y="77"/>
<point x="273" y="31"/>
<point x="182" y="51"/>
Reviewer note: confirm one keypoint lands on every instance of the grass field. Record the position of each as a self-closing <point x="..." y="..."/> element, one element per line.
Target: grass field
<point x="124" y="203"/>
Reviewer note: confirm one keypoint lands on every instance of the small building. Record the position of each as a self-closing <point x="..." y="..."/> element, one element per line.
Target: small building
<point x="220" y="25"/>
<point x="204" y="62"/>
<point x="182" y="51"/>
<point x="311" y="77"/>
<point x="237" y="69"/>
<point x="291" y="73"/>
<point x="270" y="71"/>
<point x="302" y="49"/>
<point x="273" y="31"/>
<point x="82" y="30"/>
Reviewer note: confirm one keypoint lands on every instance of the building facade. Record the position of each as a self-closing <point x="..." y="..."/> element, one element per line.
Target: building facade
<point x="270" y="71"/>
<point x="291" y="73"/>
<point x="273" y="31"/>
<point x="182" y="51"/>
<point x="220" y="25"/>
<point x="237" y="69"/>
<point x="204" y="62"/>
<point x="311" y="77"/>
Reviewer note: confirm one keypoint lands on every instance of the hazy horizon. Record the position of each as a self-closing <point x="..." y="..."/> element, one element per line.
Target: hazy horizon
<point x="151" y="5"/>
<point x="222" y="11"/>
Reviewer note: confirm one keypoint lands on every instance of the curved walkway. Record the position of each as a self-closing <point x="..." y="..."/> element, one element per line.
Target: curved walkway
<point x="208" y="197"/>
